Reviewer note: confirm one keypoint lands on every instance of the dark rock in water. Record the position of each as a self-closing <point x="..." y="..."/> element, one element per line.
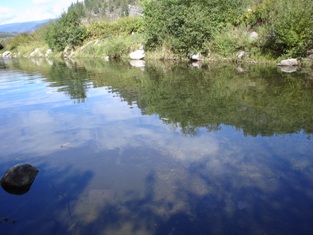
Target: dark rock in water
<point x="19" y="178"/>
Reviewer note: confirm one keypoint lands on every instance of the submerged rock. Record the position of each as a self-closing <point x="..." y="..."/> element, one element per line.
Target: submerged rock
<point x="18" y="179"/>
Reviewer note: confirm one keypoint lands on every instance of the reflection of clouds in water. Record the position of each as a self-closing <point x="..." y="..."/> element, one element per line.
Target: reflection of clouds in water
<point x="218" y="177"/>
<point x="29" y="133"/>
<point x="128" y="128"/>
<point x="104" y="122"/>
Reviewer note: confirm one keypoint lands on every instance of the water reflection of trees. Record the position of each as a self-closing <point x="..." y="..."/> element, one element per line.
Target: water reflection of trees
<point x="73" y="81"/>
<point x="261" y="101"/>
<point x="67" y="77"/>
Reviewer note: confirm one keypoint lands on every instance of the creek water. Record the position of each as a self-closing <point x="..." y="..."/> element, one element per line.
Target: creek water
<point x="164" y="149"/>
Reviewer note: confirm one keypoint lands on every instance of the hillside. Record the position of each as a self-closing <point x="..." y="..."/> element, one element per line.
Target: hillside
<point x="22" y="26"/>
<point x="7" y="35"/>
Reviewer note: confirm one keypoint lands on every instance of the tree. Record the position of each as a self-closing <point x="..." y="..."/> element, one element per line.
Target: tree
<point x="66" y="31"/>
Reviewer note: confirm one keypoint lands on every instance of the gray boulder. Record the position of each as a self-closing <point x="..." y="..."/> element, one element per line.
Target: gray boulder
<point x="289" y="62"/>
<point x="19" y="178"/>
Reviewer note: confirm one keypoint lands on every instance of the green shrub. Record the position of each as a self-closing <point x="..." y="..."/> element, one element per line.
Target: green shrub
<point x="122" y="26"/>
<point x="20" y="39"/>
<point x="230" y="40"/>
<point x="289" y="27"/>
<point x="116" y="48"/>
<point x="99" y="29"/>
<point x="127" y="25"/>
<point x="185" y="25"/>
<point x="66" y="31"/>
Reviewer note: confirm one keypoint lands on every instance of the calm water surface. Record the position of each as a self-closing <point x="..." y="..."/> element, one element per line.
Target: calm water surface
<point x="161" y="150"/>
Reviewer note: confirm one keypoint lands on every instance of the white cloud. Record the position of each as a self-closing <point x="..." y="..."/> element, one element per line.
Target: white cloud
<point x="40" y="1"/>
<point x="6" y="14"/>
<point x="39" y="10"/>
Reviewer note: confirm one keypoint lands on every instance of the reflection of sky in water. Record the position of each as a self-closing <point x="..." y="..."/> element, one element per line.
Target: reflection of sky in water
<point x="106" y="169"/>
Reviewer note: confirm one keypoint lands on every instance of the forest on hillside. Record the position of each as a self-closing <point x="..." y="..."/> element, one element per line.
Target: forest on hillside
<point x="104" y="7"/>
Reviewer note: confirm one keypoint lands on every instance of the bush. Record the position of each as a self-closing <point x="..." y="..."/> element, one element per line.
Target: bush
<point x="116" y="48"/>
<point x="20" y="39"/>
<point x="185" y="25"/>
<point x="119" y="46"/>
<point x="289" y="27"/>
<point x="123" y="26"/>
<point x="230" y="40"/>
<point x="66" y="31"/>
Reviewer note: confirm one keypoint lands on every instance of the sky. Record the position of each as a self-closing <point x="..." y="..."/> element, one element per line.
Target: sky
<point x="13" y="11"/>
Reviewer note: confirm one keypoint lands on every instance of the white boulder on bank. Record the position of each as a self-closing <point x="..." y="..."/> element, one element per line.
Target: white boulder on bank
<point x="288" y="62"/>
<point x="253" y="35"/>
<point x="138" y="54"/>
<point x="289" y="65"/>
<point x="196" y="57"/>
<point x="36" y="53"/>
<point x="6" y="54"/>
<point x="240" y="55"/>
<point x="48" y="52"/>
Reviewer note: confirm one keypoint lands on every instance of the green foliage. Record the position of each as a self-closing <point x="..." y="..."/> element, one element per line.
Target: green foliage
<point x="123" y="26"/>
<point x="289" y="27"/>
<point x="184" y="25"/>
<point x="229" y="40"/>
<point x="103" y="7"/>
<point x="116" y="48"/>
<point x="20" y="39"/>
<point x="127" y="25"/>
<point x="66" y="31"/>
<point x="78" y="8"/>
<point x="253" y="16"/>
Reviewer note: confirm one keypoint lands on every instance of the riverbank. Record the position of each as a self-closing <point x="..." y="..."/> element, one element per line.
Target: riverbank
<point x="120" y="49"/>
